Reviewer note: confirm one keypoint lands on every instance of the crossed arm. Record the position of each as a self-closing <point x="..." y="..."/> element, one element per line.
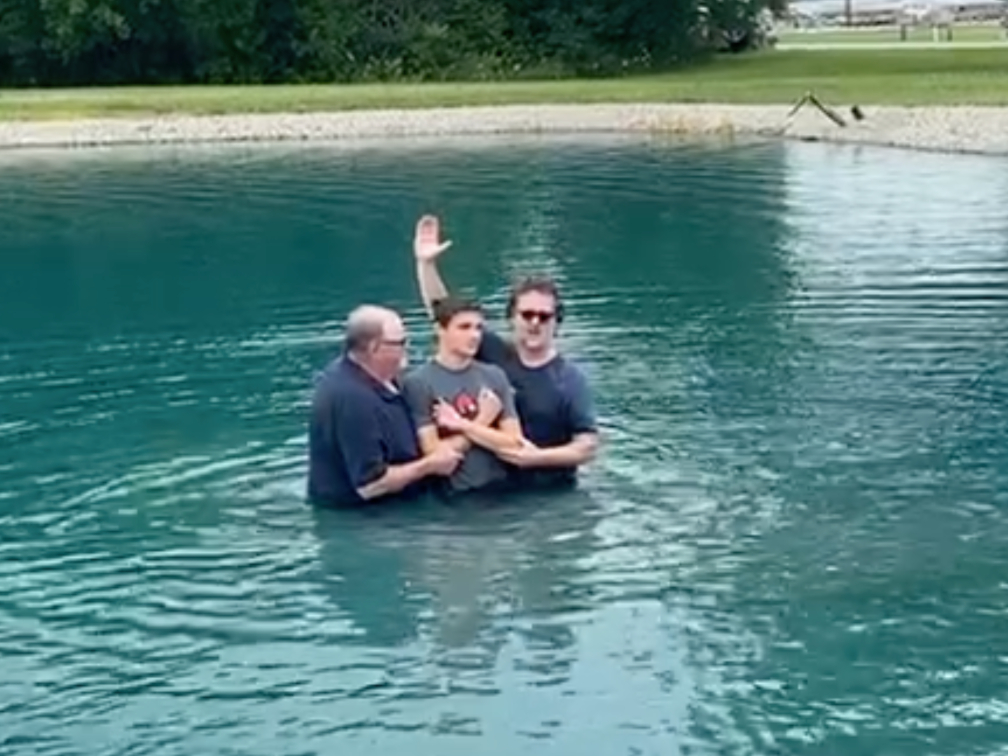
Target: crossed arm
<point x="479" y="431"/>
<point x="578" y="451"/>
<point x="507" y="436"/>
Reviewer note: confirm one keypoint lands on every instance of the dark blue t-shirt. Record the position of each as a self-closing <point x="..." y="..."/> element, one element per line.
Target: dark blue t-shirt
<point x="554" y="404"/>
<point x="358" y="428"/>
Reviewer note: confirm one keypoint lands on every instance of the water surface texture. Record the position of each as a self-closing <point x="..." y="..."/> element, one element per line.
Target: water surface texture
<point x="794" y="542"/>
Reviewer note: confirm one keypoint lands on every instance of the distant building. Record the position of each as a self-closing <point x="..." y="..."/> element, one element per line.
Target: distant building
<point x="813" y="13"/>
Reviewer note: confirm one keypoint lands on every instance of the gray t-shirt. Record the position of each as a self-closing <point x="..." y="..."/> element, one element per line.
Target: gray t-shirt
<point x="461" y="388"/>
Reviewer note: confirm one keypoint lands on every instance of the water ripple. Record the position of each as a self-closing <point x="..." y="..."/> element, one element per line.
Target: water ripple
<point x="792" y="541"/>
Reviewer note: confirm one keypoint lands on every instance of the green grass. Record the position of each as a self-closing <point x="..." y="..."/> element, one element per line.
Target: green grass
<point x="905" y="77"/>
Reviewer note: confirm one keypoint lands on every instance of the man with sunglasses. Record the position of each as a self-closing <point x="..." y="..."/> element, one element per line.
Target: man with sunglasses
<point x="552" y="396"/>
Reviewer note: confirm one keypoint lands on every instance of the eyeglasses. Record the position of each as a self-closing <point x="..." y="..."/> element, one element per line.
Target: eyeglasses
<point x="395" y="342"/>
<point x="543" y="316"/>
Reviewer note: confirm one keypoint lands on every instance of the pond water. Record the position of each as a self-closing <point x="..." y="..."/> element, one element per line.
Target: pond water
<point x="793" y="542"/>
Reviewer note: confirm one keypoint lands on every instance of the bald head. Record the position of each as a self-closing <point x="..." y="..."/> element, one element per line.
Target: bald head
<point x="368" y="324"/>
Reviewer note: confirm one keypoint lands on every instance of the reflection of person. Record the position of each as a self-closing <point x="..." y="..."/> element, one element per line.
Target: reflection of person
<point x="509" y="574"/>
<point x="470" y="579"/>
<point x="552" y="396"/>
<point x="362" y="573"/>
<point x="362" y="440"/>
<point x="454" y="396"/>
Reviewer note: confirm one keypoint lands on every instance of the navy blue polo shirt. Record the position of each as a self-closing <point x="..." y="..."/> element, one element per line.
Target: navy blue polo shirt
<point x="554" y="404"/>
<point x="358" y="428"/>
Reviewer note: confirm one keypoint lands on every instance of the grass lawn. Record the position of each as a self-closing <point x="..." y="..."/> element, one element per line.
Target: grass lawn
<point x="899" y="77"/>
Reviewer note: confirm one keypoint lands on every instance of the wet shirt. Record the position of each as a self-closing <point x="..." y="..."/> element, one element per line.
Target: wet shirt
<point x="357" y="429"/>
<point x="553" y="401"/>
<point x="461" y="388"/>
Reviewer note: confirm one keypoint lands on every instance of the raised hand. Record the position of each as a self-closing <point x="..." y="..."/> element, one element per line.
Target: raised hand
<point x="427" y="244"/>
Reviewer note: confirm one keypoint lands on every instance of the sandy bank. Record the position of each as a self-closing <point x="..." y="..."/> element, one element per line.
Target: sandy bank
<point x="953" y="129"/>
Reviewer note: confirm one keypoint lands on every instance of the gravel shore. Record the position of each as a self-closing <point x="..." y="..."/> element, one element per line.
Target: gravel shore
<point x="951" y="129"/>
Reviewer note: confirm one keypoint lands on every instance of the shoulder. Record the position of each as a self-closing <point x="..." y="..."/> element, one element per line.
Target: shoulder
<point x="490" y="371"/>
<point x="494" y="347"/>
<point x="492" y="337"/>
<point x="570" y="370"/>
<point x="570" y="377"/>
<point x="334" y="382"/>
<point x="339" y="399"/>
<point x="418" y="377"/>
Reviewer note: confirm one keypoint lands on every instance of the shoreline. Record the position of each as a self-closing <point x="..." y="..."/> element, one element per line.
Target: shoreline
<point x="956" y="129"/>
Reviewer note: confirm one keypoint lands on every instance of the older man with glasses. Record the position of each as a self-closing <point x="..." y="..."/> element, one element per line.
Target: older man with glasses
<point x="362" y="439"/>
<point x="552" y="396"/>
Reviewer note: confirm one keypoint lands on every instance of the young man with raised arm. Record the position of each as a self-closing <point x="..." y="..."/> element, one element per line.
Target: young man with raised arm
<point x="552" y="397"/>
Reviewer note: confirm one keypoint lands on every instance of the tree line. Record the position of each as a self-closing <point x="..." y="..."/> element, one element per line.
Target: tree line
<point x="106" y="42"/>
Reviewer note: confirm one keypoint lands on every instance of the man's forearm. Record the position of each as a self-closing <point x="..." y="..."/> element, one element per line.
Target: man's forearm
<point x="578" y="452"/>
<point x="432" y="287"/>
<point x="458" y="442"/>
<point x="462" y="442"/>
<point x="395" y="479"/>
<point x="490" y="438"/>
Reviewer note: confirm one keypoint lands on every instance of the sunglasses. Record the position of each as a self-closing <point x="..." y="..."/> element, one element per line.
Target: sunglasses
<point x="543" y="316"/>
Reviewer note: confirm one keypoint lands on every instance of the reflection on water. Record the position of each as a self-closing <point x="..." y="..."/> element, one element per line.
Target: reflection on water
<point x="792" y="542"/>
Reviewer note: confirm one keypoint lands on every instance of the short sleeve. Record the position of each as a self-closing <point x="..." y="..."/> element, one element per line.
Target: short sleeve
<point x="419" y="398"/>
<point x="359" y="439"/>
<point x="501" y="386"/>
<point x="493" y="349"/>
<point x="581" y="414"/>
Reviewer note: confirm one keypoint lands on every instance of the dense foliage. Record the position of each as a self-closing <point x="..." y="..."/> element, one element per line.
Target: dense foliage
<point x="69" y="42"/>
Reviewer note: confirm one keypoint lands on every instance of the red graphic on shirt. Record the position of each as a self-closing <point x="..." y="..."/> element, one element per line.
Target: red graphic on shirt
<point x="466" y="406"/>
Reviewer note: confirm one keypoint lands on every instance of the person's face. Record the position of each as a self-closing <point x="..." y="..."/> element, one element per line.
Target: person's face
<point x="388" y="354"/>
<point x="462" y="335"/>
<point x="534" y="320"/>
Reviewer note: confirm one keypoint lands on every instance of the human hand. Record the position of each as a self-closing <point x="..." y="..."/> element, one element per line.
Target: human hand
<point x="447" y="417"/>
<point x="489" y="407"/>
<point x="427" y="244"/>
<point x="443" y="460"/>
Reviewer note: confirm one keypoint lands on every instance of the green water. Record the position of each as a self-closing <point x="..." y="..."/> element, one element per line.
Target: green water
<point x="794" y="541"/>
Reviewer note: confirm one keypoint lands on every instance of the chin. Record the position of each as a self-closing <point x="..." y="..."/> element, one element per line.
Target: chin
<point x="536" y="342"/>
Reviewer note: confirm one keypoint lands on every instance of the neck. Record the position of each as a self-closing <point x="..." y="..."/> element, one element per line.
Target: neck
<point x="387" y="380"/>
<point x="535" y="357"/>
<point x="452" y="361"/>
